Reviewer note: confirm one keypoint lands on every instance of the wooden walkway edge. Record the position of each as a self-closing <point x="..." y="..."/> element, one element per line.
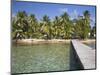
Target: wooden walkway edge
<point x="86" y="54"/>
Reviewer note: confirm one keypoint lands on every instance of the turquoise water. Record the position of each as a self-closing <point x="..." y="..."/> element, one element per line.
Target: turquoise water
<point x="40" y="58"/>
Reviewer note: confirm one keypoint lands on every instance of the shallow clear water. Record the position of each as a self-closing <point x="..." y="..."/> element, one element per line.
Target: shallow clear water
<point x="92" y="45"/>
<point x="40" y="58"/>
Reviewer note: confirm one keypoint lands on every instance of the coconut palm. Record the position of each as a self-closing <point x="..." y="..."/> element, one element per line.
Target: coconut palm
<point x="66" y="25"/>
<point x="33" y="26"/>
<point x="86" y="23"/>
<point x="82" y="27"/>
<point x="61" y="27"/>
<point x="46" y="27"/>
<point x="20" y="25"/>
<point x="56" y="27"/>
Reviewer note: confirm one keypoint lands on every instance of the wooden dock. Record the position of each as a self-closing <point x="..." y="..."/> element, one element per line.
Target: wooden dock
<point x="85" y="54"/>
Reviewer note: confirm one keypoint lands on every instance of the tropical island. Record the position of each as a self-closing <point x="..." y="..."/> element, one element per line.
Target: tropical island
<point x="26" y="26"/>
<point x="43" y="36"/>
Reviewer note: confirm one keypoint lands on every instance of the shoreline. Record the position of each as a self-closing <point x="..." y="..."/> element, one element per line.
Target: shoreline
<point x="89" y="41"/>
<point x="43" y="41"/>
<point x="39" y="41"/>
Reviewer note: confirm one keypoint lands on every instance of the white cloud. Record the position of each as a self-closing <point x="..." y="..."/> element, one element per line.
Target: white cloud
<point x="13" y="15"/>
<point x="92" y="18"/>
<point x="63" y="10"/>
<point x="74" y="14"/>
<point x="92" y="22"/>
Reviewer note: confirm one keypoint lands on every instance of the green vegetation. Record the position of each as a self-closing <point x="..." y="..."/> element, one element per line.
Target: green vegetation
<point x="61" y="27"/>
<point x="93" y="32"/>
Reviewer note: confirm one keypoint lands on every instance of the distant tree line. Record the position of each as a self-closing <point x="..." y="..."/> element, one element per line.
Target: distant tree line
<point x="26" y="26"/>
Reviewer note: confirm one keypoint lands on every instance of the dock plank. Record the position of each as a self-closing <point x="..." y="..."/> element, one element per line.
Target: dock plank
<point x="85" y="53"/>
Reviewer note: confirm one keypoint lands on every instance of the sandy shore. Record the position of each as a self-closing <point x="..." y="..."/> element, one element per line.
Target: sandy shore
<point x="40" y="41"/>
<point x="43" y="41"/>
<point x="88" y="41"/>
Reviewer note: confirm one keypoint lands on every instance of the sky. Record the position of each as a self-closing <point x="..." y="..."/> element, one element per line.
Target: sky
<point x="52" y="9"/>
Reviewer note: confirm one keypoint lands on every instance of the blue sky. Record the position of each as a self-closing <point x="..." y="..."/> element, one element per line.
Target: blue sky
<point x="51" y="9"/>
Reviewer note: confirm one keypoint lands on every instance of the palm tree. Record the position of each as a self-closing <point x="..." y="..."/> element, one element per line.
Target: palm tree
<point x="78" y="28"/>
<point x="20" y="25"/>
<point x="46" y="27"/>
<point x="56" y="28"/>
<point x="82" y="27"/>
<point x="33" y="26"/>
<point x="62" y="27"/>
<point x="66" y="23"/>
<point x="86" y="23"/>
<point x="93" y="32"/>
